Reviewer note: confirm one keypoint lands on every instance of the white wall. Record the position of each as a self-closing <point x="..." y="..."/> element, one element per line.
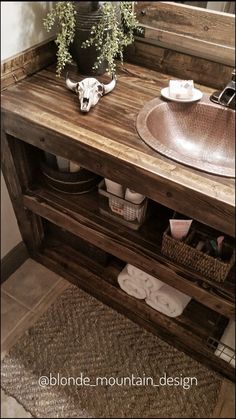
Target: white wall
<point x="221" y="6"/>
<point x="22" y="25"/>
<point x="21" y="28"/>
<point x="10" y="234"/>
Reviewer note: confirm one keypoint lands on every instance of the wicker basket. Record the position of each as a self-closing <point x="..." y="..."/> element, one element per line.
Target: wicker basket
<point x="185" y="254"/>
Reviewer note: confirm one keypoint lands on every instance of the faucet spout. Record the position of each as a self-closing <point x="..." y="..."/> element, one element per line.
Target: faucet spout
<point x="227" y="96"/>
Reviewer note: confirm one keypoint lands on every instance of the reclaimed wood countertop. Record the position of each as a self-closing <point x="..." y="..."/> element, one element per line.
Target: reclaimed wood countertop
<point x="40" y="110"/>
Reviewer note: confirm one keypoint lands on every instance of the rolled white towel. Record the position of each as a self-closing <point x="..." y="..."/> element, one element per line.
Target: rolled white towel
<point x="168" y="301"/>
<point x="63" y="164"/>
<point x="133" y="271"/>
<point x="133" y="196"/>
<point x="150" y="283"/>
<point x="74" y="167"/>
<point x="131" y="285"/>
<point x="114" y="188"/>
<point x="228" y="338"/>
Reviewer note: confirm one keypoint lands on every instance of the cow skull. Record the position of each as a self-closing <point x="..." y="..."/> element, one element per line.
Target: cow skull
<point x="89" y="91"/>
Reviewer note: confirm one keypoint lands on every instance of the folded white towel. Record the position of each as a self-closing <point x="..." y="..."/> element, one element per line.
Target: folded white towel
<point x="168" y="301"/>
<point x="131" y="285"/>
<point x="228" y="339"/>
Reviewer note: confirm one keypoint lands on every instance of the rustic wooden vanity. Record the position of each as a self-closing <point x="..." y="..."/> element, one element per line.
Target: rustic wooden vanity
<point x="39" y="113"/>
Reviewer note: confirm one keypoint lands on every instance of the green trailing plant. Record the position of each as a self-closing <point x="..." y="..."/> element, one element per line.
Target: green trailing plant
<point x="110" y="36"/>
<point x="64" y="16"/>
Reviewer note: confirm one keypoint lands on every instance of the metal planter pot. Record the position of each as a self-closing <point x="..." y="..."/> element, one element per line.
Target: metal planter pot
<point x="88" y="15"/>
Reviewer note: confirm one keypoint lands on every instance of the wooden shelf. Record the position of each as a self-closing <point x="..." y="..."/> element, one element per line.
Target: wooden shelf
<point x="188" y="332"/>
<point x="80" y="215"/>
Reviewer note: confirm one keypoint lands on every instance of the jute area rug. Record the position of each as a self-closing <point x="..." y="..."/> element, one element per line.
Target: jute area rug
<point x="78" y="338"/>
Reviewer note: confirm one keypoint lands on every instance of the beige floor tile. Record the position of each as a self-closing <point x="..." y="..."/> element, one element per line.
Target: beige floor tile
<point x="32" y="316"/>
<point x="26" y="295"/>
<point x="12" y="312"/>
<point x="10" y="408"/>
<point x="50" y="297"/>
<point x="30" y="283"/>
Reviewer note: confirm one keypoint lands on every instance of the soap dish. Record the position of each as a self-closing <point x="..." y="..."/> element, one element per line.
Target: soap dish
<point x="197" y="95"/>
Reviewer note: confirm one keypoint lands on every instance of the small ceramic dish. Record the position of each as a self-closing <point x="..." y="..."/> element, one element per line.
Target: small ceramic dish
<point x="197" y="95"/>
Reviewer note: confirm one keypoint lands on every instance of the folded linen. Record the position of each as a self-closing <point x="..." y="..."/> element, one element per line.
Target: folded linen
<point x="149" y="282"/>
<point x="227" y="352"/>
<point x="132" y="285"/>
<point x="168" y="301"/>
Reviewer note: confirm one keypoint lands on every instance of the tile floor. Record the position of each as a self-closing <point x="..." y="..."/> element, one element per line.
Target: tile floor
<point x="25" y="296"/>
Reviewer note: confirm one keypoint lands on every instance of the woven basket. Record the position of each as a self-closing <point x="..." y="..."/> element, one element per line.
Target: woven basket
<point x="183" y="253"/>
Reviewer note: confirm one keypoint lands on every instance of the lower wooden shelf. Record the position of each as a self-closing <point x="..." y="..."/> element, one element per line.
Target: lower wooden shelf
<point x="189" y="332"/>
<point x="80" y="216"/>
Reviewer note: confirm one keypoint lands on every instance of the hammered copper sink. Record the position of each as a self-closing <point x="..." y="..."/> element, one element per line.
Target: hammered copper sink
<point x="198" y="134"/>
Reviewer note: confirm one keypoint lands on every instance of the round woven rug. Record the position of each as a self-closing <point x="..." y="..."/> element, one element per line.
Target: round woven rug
<point x="79" y="338"/>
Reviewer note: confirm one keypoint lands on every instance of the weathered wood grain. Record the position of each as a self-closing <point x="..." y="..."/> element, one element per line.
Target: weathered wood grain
<point x="203" y="24"/>
<point x="185" y="41"/>
<point x="183" y="65"/>
<point x="26" y="63"/>
<point x="30" y="224"/>
<point x="188" y="45"/>
<point x="42" y="112"/>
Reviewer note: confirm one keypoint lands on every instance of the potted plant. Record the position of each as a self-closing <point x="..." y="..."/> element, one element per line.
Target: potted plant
<point x="92" y="33"/>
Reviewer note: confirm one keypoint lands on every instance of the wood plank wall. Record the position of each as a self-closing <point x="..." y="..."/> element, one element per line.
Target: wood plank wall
<point x="27" y="62"/>
<point x="183" y="66"/>
<point x="179" y="40"/>
<point x="185" y="41"/>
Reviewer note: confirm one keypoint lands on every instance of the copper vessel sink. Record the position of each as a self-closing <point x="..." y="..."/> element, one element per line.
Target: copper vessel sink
<point x="198" y="134"/>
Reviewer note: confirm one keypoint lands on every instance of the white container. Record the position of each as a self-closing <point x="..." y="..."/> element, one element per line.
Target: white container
<point x="119" y="209"/>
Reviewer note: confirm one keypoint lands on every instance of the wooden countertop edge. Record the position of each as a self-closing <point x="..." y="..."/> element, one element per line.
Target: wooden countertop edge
<point x="153" y="165"/>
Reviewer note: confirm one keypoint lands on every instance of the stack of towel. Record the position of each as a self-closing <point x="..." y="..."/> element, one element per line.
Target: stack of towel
<point x="156" y="294"/>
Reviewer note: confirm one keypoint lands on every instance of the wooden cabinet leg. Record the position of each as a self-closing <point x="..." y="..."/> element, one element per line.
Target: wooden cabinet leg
<point x="17" y="177"/>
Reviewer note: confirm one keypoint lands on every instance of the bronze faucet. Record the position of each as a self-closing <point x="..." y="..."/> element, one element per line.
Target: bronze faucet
<point x="227" y="96"/>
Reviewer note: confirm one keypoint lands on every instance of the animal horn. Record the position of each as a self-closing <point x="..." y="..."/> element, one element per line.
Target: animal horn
<point x="71" y="84"/>
<point x="110" y="86"/>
